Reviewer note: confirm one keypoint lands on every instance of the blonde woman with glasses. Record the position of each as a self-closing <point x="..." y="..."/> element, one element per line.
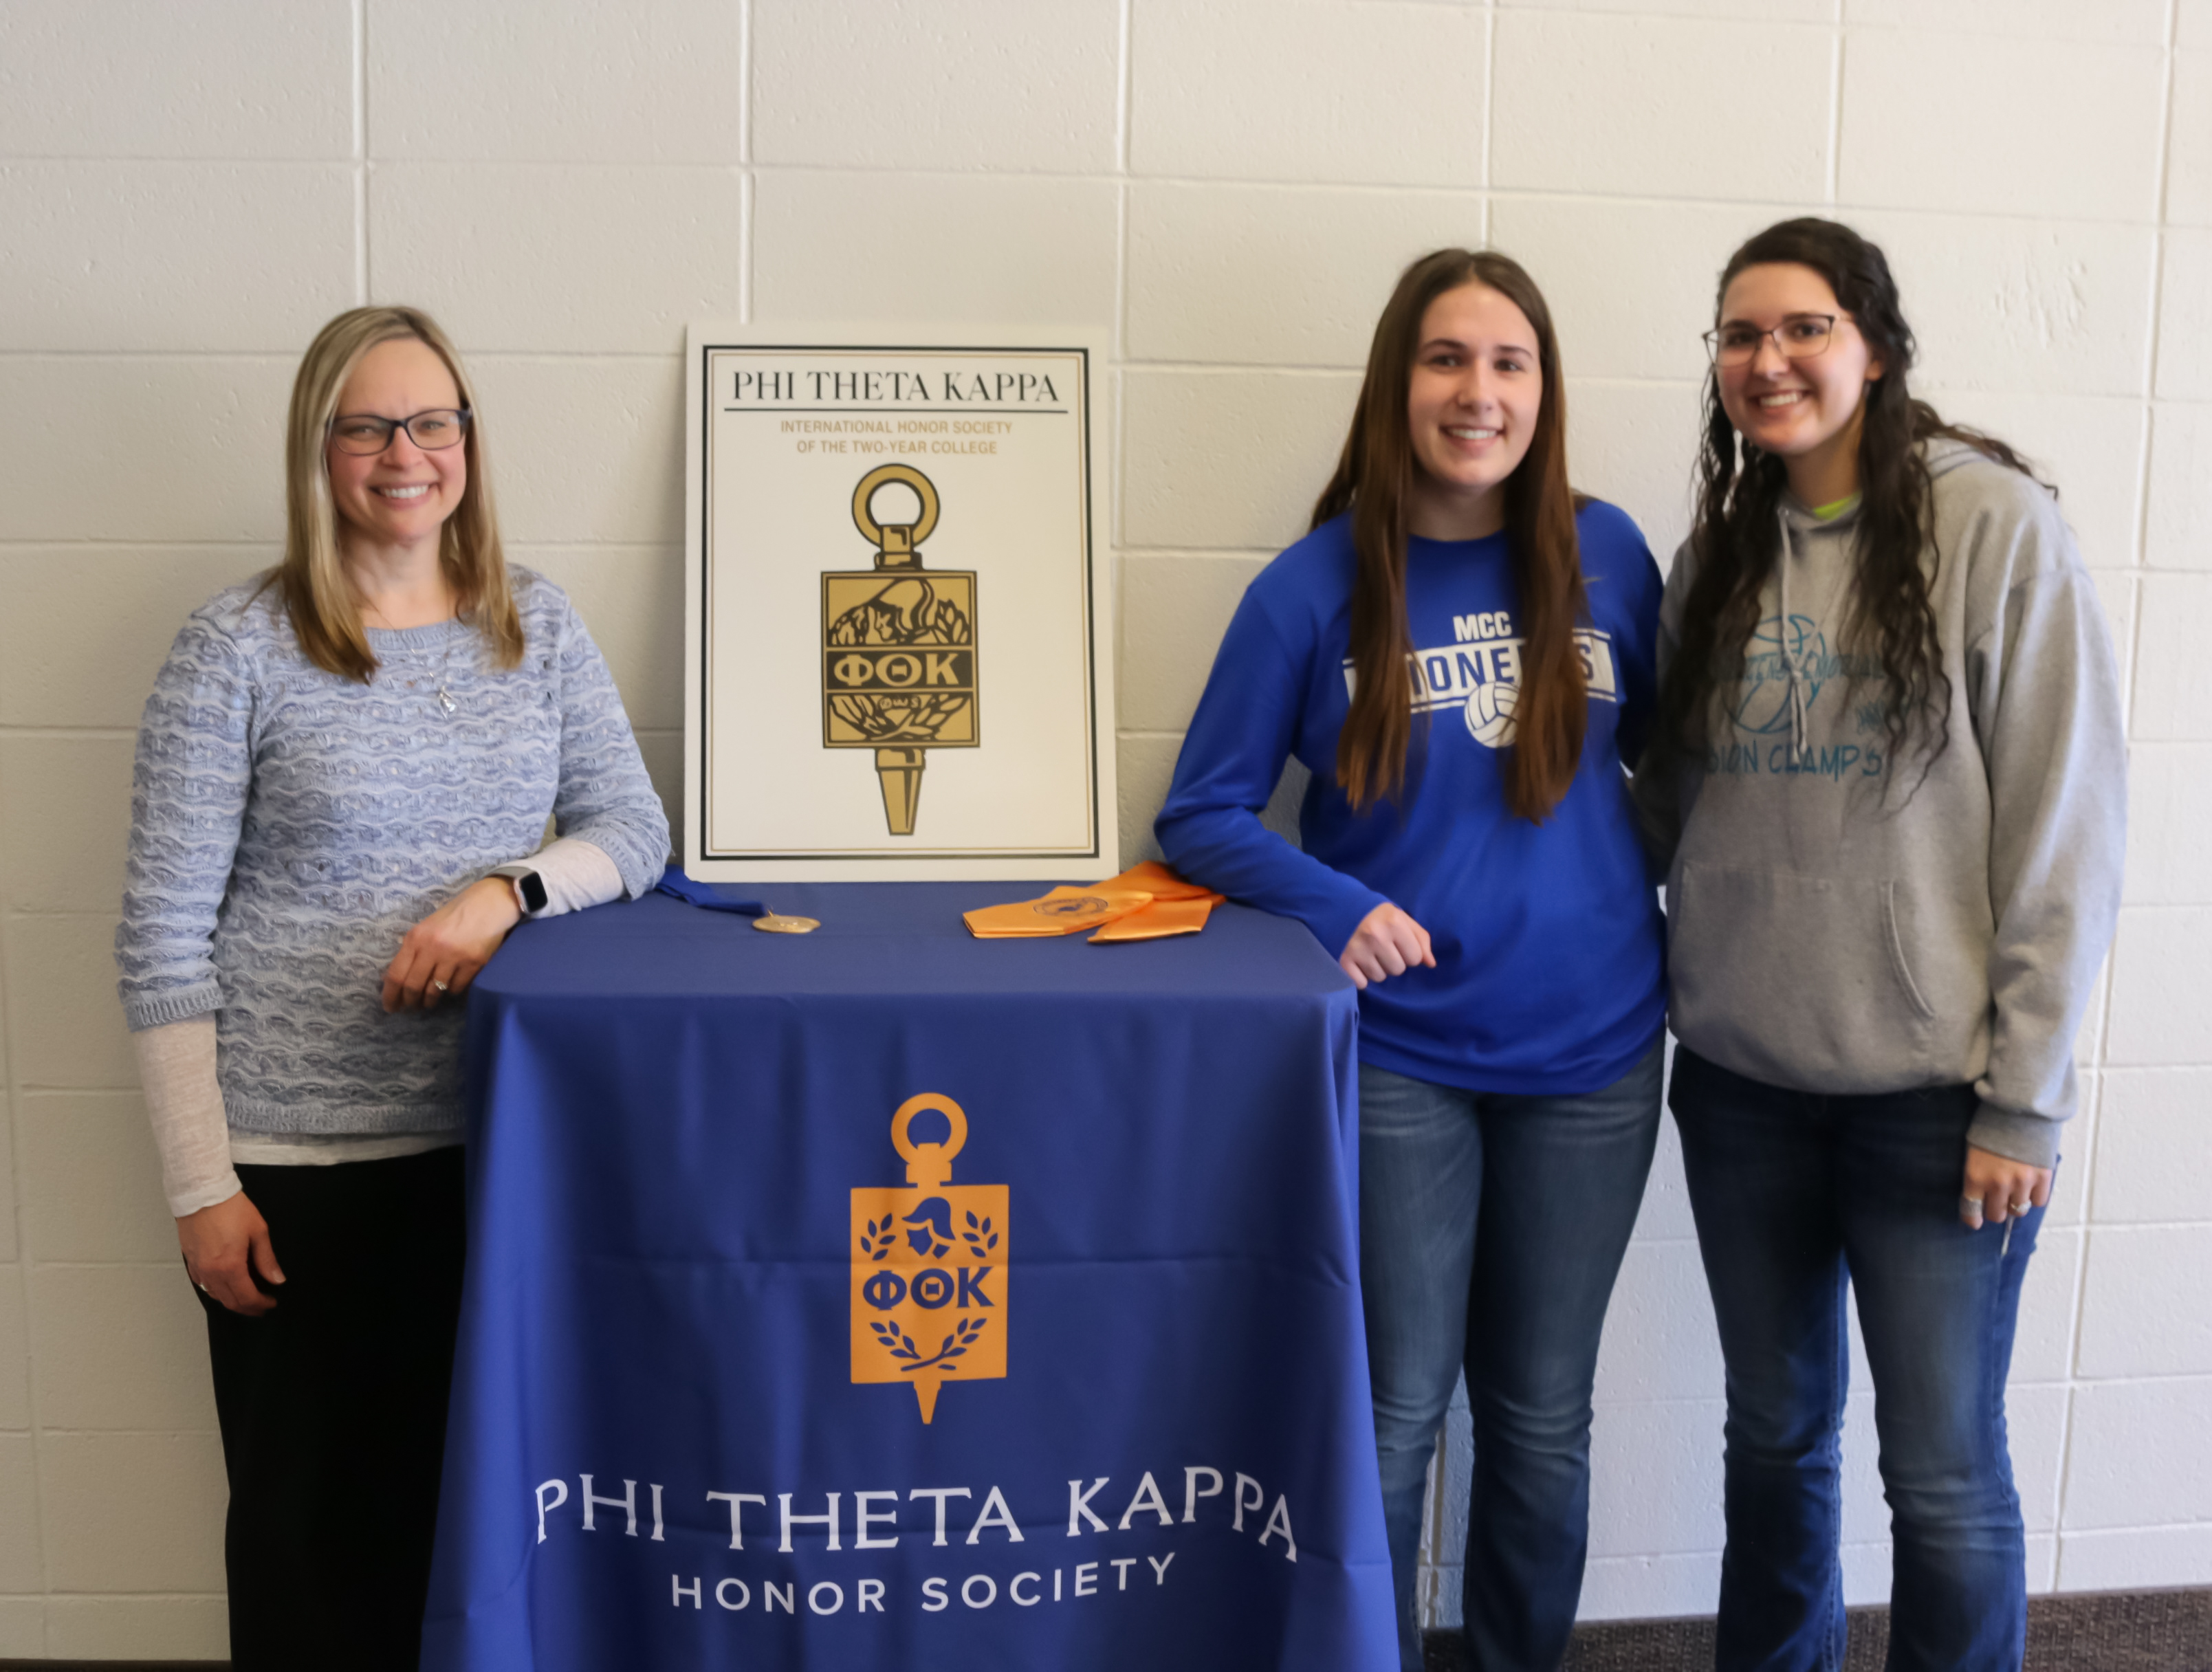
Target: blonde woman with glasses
<point x="343" y="777"/>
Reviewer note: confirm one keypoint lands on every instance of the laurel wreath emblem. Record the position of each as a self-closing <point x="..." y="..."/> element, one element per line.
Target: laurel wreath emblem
<point x="907" y="612"/>
<point x="965" y="1334"/>
<point x="876" y="1239"/>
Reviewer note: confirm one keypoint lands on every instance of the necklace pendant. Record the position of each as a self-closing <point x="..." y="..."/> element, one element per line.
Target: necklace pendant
<point x="446" y="701"/>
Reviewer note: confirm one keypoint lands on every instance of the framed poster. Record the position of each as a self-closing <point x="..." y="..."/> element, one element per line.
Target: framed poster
<point x="898" y="659"/>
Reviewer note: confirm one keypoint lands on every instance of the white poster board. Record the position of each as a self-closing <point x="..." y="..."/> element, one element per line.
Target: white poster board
<point x="898" y="662"/>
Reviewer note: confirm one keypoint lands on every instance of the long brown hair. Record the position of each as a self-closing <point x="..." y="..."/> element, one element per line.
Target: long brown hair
<point x="1375" y="478"/>
<point x="1891" y="619"/>
<point x="310" y="580"/>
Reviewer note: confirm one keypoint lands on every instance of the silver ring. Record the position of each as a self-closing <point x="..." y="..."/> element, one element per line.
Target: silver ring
<point x="441" y="986"/>
<point x="2021" y="1207"/>
<point x="1974" y="1202"/>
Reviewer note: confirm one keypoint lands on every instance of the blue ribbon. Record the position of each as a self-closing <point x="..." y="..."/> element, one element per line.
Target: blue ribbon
<point x="674" y="881"/>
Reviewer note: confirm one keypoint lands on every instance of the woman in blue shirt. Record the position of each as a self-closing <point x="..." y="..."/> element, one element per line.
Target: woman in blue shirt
<point x="1460" y="652"/>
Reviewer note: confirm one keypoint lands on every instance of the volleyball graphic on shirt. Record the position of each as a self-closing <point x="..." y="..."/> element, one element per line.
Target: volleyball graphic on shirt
<point x="1490" y="713"/>
<point x="1761" y="704"/>
<point x="1479" y="674"/>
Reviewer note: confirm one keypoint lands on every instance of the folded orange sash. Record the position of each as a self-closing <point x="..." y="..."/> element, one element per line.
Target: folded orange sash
<point x="1147" y="901"/>
<point x="1159" y="920"/>
<point x="1066" y="910"/>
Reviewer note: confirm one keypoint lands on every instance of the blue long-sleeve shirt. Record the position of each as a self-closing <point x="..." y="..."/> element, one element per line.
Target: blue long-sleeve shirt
<point x="1550" y="976"/>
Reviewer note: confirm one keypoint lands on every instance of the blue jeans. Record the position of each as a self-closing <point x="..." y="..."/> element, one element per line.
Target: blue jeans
<point x="1491" y="1230"/>
<point x="1795" y="1194"/>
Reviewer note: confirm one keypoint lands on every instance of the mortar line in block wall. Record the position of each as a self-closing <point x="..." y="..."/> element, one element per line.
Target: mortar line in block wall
<point x="2134" y="1526"/>
<point x="2063" y="1461"/>
<point x="2132" y="657"/>
<point x="1352" y="369"/>
<point x="1117" y="423"/>
<point x="68" y="733"/>
<point x="2139" y="551"/>
<point x="15" y="1255"/>
<point x="267" y="547"/>
<point x="136" y="1596"/>
<point x="2166" y="109"/>
<point x="2072" y="1383"/>
<point x="1488" y="106"/>
<point x="21" y="1263"/>
<point x="1835" y="107"/>
<point x="1302" y="368"/>
<point x="1257" y="554"/>
<point x="1472" y="188"/>
<point x="2151" y="337"/>
<point x="1119" y="347"/>
<point x="288" y="358"/>
<point x="34" y="1087"/>
<point x="2131" y="1227"/>
<point x="1400" y="188"/>
<point x="2100" y="1079"/>
<point x="360" y="153"/>
<point x="1125" y="78"/>
<point x="1476" y="196"/>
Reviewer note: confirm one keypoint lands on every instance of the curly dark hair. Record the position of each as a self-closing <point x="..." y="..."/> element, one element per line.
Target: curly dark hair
<point x="1735" y="540"/>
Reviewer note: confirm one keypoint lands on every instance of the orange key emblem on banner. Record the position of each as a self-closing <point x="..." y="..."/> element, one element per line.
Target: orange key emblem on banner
<point x="929" y="1268"/>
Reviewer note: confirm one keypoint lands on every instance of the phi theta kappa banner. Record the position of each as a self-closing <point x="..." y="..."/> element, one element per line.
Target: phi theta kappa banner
<point x="887" y="1298"/>
<point x="897" y="610"/>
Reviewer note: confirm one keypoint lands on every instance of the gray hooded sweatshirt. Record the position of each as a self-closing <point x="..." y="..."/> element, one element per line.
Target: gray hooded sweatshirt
<point x="1838" y="923"/>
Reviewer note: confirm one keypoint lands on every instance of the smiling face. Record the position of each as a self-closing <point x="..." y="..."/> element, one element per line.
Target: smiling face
<point x="1476" y="390"/>
<point x="1807" y="412"/>
<point x="397" y="499"/>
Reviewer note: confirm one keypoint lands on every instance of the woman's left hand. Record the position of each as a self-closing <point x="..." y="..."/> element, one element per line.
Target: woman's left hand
<point x="443" y="954"/>
<point x="1997" y="1188"/>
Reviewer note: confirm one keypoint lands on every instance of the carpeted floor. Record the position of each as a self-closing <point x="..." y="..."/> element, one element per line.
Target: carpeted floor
<point x="2143" y="1631"/>
<point x="2138" y="1631"/>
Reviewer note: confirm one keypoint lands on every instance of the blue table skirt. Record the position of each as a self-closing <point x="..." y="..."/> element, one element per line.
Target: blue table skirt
<point x="682" y="1131"/>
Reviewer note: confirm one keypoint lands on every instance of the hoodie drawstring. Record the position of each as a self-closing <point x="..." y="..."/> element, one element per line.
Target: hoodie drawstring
<point x="1797" y="743"/>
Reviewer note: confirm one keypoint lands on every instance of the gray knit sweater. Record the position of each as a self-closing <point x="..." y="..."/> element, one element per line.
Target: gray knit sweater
<point x="288" y="826"/>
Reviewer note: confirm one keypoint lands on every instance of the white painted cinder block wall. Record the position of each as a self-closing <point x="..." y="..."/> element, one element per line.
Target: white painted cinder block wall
<point x="188" y="190"/>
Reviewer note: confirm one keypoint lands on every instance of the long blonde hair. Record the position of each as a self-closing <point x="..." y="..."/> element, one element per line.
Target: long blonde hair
<point x="311" y="579"/>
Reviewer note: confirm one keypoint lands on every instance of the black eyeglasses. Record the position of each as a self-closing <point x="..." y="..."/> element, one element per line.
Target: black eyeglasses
<point x="367" y="434"/>
<point x="1800" y="337"/>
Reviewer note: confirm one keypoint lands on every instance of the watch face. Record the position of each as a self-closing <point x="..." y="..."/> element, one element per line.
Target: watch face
<point x="534" y="890"/>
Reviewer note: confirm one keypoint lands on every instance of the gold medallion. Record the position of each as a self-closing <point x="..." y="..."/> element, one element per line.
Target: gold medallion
<point x="931" y="1268"/>
<point x="774" y="924"/>
<point x="898" y="650"/>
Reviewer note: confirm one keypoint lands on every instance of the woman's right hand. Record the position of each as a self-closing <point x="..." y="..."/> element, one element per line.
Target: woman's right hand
<point x="1386" y="942"/>
<point x="218" y="1243"/>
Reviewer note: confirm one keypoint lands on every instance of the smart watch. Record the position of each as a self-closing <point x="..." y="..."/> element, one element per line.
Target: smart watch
<point x="529" y="886"/>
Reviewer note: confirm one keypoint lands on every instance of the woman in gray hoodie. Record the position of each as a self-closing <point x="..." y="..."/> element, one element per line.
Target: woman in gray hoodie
<point x="1889" y="786"/>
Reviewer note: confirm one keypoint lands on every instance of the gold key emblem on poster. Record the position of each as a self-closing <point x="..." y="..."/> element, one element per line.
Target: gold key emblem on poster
<point x="898" y="650"/>
<point x="929" y="1267"/>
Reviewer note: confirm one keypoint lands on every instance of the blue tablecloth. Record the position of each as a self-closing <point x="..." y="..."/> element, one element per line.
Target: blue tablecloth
<point x="704" y="1287"/>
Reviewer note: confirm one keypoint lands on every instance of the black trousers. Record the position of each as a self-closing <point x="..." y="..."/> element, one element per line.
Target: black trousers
<point x="333" y="1413"/>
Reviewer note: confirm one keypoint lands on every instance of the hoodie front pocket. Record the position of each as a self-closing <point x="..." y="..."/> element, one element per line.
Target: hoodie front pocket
<point x="1794" y="979"/>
